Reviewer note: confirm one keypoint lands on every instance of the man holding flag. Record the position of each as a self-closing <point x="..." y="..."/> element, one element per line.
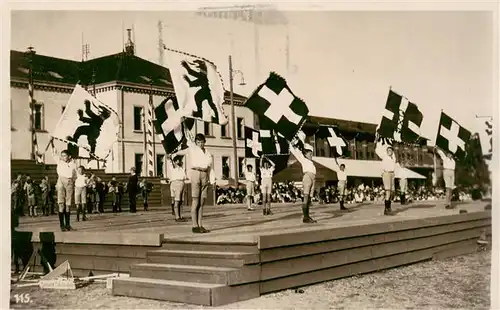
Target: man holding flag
<point x="66" y="175"/>
<point x="386" y="153"/>
<point x="202" y="175"/>
<point x="309" y="178"/>
<point x="448" y="175"/>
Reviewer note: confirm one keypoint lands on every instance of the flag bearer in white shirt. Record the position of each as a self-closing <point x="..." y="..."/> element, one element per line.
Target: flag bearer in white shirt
<point x="177" y="177"/>
<point x="386" y="153"/>
<point x="81" y="193"/>
<point x="448" y="175"/>
<point x="342" y="184"/>
<point x="309" y="178"/>
<point x="250" y="184"/>
<point x="66" y="175"/>
<point x="202" y="175"/>
<point x="266" y="173"/>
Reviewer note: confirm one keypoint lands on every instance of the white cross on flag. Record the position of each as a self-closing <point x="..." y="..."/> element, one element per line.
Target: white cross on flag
<point x="169" y="124"/>
<point x="451" y="136"/>
<point x="274" y="102"/>
<point x="198" y="86"/>
<point x="253" y="147"/>
<point x="334" y="140"/>
<point x="401" y="120"/>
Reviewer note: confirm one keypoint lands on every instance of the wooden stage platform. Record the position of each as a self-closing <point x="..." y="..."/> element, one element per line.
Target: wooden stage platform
<point x="248" y="254"/>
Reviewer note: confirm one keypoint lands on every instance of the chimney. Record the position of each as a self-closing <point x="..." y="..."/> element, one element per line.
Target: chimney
<point x="129" y="46"/>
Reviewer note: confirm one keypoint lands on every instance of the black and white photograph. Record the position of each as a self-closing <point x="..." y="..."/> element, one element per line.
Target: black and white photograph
<point x="250" y="155"/>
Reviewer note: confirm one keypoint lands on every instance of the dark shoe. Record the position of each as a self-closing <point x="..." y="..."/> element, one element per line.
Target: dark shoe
<point x="196" y="230"/>
<point x="204" y="230"/>
<point x="308" y="220"/>
<point x="180" y="220"/>
<point x="63" y="229"/>
<point x="388" y="211"/>
<point x="264" y="212"/>
<point x="68" y="217"/>
<point x="449" y="207"/>
<point x="84" y="218"/>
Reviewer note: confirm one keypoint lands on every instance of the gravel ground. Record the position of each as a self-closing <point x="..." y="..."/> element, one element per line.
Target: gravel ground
<point x="459" y="282"/>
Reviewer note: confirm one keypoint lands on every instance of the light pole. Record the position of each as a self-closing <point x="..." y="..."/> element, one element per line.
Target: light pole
<point x="233" y="117"/>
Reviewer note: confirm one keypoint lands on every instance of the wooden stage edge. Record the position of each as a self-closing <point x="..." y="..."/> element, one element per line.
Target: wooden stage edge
<point x="248" y="254"/>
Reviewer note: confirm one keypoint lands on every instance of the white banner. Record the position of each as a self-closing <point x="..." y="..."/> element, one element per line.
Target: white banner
<point x="88" y="126"/>
<point x="198" y="87"/>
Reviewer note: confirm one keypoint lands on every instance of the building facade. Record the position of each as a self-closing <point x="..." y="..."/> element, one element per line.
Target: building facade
<point x="124" y="82"/>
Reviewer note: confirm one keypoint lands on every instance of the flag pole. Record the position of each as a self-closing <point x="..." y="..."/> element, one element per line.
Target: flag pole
<point x="144" y="167"/>
<point x="93" y="94"/>
<point x="233" y="121"/>
<point x="31" y="52"/>
<point x="153" y="120"/>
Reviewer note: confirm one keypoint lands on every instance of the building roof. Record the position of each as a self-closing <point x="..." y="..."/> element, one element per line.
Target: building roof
<point x="344" y="125"/>
<point x="120" y="67"/>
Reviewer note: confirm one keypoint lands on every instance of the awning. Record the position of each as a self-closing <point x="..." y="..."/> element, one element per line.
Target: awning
<point x="363" y="168"/>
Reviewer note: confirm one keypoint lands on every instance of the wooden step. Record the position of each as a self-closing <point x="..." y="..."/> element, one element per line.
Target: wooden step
<point x="211" y="246"/>
<point x="184" y="292"/>
<point x="198" y="274"/>
<point x="204" y="258"/>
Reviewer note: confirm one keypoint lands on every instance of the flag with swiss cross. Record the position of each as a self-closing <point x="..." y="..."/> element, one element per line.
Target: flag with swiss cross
<point x="337" y="143"/>
<point x="253" y="147"/>
<point x="274" y="102"/>
<point x="401" y="120"/>
<point x="452" y="137"/>
<point x="169" y="125"/>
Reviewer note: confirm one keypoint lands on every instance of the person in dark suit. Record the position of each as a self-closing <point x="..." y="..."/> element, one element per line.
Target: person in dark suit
<point x="132" y="189"/>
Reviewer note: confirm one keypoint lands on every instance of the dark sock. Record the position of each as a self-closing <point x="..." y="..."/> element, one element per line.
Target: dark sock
<point x="68" y="217"/>
<point x="61" y="219"/>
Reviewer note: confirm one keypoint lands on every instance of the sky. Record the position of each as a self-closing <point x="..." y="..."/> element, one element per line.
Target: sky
<point x="342" y="64"/>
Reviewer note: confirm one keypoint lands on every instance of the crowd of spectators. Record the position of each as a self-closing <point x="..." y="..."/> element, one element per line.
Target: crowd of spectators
<point x="40" y="197"/>
<point x="289" y="192"/>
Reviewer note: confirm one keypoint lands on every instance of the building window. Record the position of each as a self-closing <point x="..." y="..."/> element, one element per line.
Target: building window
<point x="160" y="160"/>
<point x="239" y="128"/>
<point x="207" y="131"/>
<point x="223" y="131"/>
<point x="225" y="167"/>
<point x="138" y="118"/>
<point x="241" y="166"/>
<point x="38" y="116"/>
<point x="138" y="164"/>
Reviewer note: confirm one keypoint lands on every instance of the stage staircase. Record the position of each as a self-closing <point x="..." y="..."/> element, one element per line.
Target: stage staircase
<point x="38" y="171"/>
<point x="210" y="274"/>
